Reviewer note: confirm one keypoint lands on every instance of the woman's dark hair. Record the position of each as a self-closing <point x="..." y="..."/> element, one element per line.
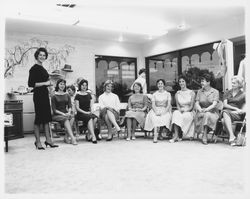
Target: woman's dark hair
<point x="138" y="84"/>
<point x="41" y="50"/>
<point x="143" y="70"/>
<point x="81" y="83"/>
<point x="57" y="84"/>
<point x="184" y="78"/>
<point x="72" y="87"/>
<point x="209" y="77"/>
<point x="163" y="81"/>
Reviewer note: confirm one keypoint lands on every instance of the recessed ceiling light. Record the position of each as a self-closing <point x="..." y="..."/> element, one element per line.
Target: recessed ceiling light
<point x="120" y="38"/>
<point x="181" y="27"/>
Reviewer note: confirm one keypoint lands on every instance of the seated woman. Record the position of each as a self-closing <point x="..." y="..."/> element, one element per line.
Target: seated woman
<point x="233" y="102"/>
<point x="206" y="106"/>
<point x="109" y="108"/>
<point x="183" y="118"/>
<point x="160" y="114"/>
<point x="61" y="106"/>
<point x="84" y="107"/>
<point x="137" y="105"/>
<point x="71" y="89"/>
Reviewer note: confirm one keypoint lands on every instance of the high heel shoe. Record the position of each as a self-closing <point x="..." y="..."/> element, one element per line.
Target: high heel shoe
<point x="51" y="145"/>
<point x="74" y="142"/>
<point x="39" y="148"/>
<point x="155" y="140"/>
<point x="109" y="139"/>
<point x="204" y="141"/>
<point x="94" y="141"/>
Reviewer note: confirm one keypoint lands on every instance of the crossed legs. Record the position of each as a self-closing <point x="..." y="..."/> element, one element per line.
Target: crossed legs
<point x="110" y="120"/>
<point x="227" y="123"/>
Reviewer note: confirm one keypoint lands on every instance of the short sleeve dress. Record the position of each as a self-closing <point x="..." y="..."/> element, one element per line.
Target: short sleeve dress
<point x="61" y="103"/>
<point x="184" y="120"/>
<point x="84" y="104"/>
<point x="38" y="73"/>
<point x="137" y="101"/>
<point x="209" y="119"/>
<point x="236" y="101"/>
<point x="152" y="120"/>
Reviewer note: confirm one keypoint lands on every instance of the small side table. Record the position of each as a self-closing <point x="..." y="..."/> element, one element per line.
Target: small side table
<point x="7" y="132"/>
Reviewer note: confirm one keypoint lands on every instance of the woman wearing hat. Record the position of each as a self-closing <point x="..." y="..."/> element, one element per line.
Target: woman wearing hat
<point x="109" y="105"/>
<point x="206" y="102"/>
<point x="39" y="80"/>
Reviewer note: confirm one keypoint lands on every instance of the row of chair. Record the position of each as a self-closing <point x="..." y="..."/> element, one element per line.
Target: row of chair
<point x="81" y="128"/>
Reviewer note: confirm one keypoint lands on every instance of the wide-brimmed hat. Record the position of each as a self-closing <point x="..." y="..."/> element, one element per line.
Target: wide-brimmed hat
<point x="55" y="73"/>
<point x="67" y="68"/>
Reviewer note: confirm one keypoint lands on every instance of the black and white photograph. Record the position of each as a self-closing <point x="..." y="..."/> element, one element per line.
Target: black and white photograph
<point x="124" y="99"/>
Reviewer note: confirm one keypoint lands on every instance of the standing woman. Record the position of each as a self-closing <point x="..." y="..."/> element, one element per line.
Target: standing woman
<point x="109" y="105"/>
<point x="61" y="106"/>
<point x="183" y="117"/>
<point x="160" y="114"/>
<point x="84" y="108"/>
<point x="39" y="80"/>
<point x="137" y="105"/>
<point x="207" y="114"/>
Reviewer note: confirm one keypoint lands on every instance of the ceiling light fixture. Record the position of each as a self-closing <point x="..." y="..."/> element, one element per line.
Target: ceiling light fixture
<point x="120" y="38"/>
<point x="77" y="22"/>
<point x="182" y="27"/>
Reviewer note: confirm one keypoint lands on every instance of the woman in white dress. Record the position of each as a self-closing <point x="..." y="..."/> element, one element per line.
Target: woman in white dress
<point x="160" y="114"/>
<point x="183" y="117"/>
<point x="110" y="108"/>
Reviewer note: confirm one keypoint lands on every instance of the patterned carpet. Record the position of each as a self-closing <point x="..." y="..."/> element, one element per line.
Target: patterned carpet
<point x="121" y="168"/>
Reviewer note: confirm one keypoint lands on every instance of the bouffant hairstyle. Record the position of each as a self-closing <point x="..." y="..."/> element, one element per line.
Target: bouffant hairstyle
<point x="72" y="87"/>
<point x="143" y="70"/>
<point x="184" y="78"/>
<point x="81" y="83"/>
<point x="239" y="79"/>
<point x="209" y="77"/>
<point x="138" y="84"/>
<point x="41" y="50"/>
<point x="163" y="81"/>
<point x="57" y="84"/>
<point x="106" y="83"/>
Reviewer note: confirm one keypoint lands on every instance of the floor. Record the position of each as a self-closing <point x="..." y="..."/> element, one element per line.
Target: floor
<point x="126" y="168"/>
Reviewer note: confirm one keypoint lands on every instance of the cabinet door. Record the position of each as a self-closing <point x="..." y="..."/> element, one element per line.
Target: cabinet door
<point x="17" y="130"/>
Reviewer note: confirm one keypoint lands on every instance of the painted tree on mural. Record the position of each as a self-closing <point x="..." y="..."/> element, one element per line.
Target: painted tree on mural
<point x="20" y="54"/>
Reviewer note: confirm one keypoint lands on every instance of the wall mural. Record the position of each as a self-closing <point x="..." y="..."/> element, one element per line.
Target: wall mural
<point x="20" y="55"/>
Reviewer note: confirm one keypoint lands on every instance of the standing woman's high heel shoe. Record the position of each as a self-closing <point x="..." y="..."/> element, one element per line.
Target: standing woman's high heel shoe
<point x="38" y="147"/>
<point x="51" y="145"/>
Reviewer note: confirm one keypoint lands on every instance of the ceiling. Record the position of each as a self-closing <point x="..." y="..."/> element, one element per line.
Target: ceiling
<point x="128" y="21"/>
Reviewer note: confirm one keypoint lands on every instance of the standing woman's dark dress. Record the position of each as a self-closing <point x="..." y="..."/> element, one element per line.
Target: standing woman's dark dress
<point x="37" y="74"/>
